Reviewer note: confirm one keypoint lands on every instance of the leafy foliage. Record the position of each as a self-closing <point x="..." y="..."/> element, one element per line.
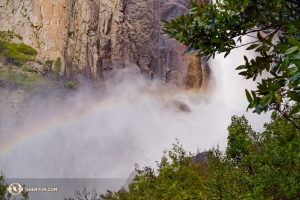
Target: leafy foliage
<point x="176" y="178"/>
<point x="254" y="166"/>
<point x="29" y="82"/>
<point x="9" y="35"/>
<point x="57" y="67"/>
<point x="4" y="195"/>
<point x="15" y="53"/>
<point x="48" y="65"/>
<point x="71" y="85"/>
<point x="219" y="28"/>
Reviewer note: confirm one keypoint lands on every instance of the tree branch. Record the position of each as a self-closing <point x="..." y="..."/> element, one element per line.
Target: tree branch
<point x="286" y="117"/>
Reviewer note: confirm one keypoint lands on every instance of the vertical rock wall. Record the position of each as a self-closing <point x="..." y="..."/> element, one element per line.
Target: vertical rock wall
<point x="96" y="37"/>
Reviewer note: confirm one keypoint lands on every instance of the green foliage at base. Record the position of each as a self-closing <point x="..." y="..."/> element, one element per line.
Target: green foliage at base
<point x="23" y="80"/>
<point x="4" y="195"/>
<point x="3" y="186"/>
<point x="254" y="166"/>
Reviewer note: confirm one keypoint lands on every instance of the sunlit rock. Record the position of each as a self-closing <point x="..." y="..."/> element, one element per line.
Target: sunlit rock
<point x="93" y="38"/>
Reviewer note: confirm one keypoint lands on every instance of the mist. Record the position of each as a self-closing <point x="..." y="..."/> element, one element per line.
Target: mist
<point x="92" y="133"/>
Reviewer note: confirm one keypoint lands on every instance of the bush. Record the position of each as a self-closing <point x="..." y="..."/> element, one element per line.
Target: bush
<point x="48" y="65"/>
<point x="254" y="166"/>
<point x="4" y="195"/>
<point x="57" y="68"/>
<point x="71" y="85"/>
<point x="31" y="83"/>
<point x="17" y="54"/>
<point x="9" y="35"/>
<point x="27" y="68"/>
<point x="26" y="49"/>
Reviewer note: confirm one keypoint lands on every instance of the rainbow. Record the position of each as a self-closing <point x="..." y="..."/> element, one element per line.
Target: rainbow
<point x="48" y="125"/>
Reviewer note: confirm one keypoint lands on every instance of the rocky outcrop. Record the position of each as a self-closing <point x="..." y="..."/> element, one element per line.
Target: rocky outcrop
<point x="96" y="37"/>
<point x="200" y="158"/>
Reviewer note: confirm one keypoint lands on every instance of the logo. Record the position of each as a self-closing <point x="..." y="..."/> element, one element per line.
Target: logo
<point x="15" y="189"/>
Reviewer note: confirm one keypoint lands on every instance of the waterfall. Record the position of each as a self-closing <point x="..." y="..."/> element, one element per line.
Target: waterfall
<point x="87" y="135"/>
<point x="157" y="9"/>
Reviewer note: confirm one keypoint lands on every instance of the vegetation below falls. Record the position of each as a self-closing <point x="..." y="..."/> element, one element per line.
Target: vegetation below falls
<point x="255" y="165"/>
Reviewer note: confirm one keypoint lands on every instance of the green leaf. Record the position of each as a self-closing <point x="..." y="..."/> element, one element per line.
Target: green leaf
<point x="285" y="63"/>
<point x="293" y="41"/>
<point x="248" y="96"/>
<point x="281" y="141"/>
<point x="254" y="96"/>
<point x="297" y="56"/>
<point x="226" y="54"/>
<point x="278" y="97"/>
<point x="260" y="37"/>
<point x="258" y="109"/>
<point x="283" y="47"/>
<point x="293" y="143"/>
<point x="164" y="21"/>
<point x="294" y="96"/>
<point x="270" y="38"/>
<point x="216" y="40"/>
<point x="241" y="67"/>
<point x="296" y="109"/>
<point x="295" y="77"/>
<point x="253" y="46"/>
<point x="290" y="137"/>
<point x="291" y="50"/>
<point x="266" y="99"/>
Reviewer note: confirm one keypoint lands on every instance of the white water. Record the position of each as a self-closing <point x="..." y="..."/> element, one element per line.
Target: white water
<point x="135" y="126"/>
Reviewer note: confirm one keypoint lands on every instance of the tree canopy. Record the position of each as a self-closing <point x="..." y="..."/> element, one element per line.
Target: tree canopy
<point x="274" y="26"/>
<point x="255" y="165"/>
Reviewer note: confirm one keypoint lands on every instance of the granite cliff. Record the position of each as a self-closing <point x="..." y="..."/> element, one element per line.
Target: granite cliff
<point x="96" y="37"/>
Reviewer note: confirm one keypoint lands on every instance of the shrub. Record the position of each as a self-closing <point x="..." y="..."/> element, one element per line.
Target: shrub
<point x="9" y="35"/>
<point x="27" y="68"/>
<point x="71" y="85"/>
<point x="57" y="68"/>
<point x="17" y="54"/>
<point x="26" y="49"/>
<point x="48" y="65"/>
<point x="31" y="83"/>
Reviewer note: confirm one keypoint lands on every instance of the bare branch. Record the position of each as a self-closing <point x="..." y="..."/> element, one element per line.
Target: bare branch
<point x="286" y="117"/>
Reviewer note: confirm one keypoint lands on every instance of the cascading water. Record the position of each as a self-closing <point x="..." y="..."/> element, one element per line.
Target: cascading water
<point x="157" y="8"/>
<point x="132" y="123"/>
<point x="92" y="136"/>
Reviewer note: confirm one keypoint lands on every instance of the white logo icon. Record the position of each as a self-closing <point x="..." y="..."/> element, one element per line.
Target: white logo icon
<point x="15" y="189"/>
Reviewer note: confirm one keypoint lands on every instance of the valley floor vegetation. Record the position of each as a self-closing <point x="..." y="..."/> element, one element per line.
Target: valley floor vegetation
<point x="255" y="165"/>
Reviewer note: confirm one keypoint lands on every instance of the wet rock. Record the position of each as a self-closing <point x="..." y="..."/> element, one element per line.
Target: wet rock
<point x="181" y="106"/>
<point x="200" y="158"/>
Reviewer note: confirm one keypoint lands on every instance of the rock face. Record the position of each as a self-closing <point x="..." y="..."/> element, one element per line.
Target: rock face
<point x="96" y="37"/>
<point x="200" y="158"/>
<point x="9" y="106"/>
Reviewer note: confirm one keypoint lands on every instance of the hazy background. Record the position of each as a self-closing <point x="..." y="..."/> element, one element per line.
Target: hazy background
<point x="101" y="134"/>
